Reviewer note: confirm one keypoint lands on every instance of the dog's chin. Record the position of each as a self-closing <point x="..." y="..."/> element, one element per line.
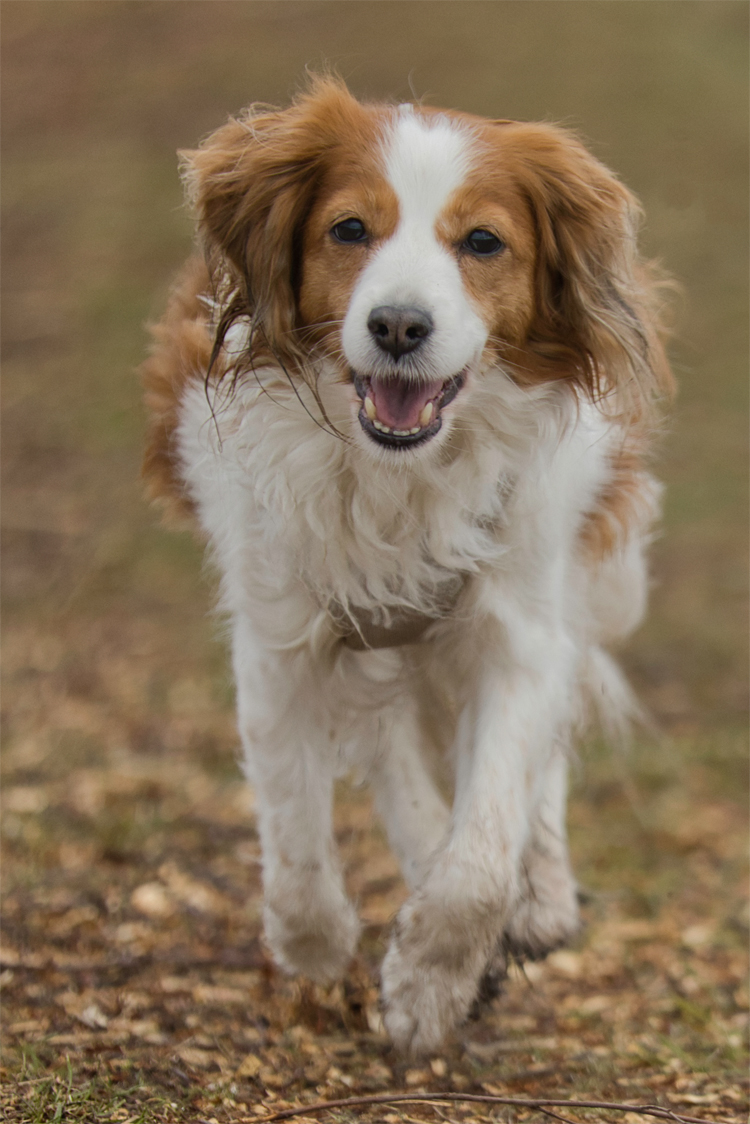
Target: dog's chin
<point x="401" y="415"/>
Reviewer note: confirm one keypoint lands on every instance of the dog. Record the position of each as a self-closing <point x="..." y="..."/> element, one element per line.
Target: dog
<point x="407" y="393"/>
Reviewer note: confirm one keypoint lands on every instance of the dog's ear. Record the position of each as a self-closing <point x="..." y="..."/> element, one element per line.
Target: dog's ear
<point x="597" y="319"/>
<point x="252" y="184"/>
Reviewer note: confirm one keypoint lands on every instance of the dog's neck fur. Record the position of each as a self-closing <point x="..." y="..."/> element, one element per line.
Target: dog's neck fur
<point x="382" y="551"/>
<point x="364" y="629"/>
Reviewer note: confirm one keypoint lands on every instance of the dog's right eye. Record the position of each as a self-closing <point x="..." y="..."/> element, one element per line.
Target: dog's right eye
<point x="349" y="230"/>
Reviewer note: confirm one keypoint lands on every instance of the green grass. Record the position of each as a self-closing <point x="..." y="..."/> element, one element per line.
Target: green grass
<point x="60" y="1098"/>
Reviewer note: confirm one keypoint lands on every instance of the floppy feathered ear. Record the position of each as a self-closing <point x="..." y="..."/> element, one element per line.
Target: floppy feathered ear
<point x="252" y="183"/>
<point x="598" y="307"/>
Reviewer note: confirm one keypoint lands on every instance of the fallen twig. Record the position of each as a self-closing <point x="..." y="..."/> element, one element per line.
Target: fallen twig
<point x="659" y="1111"/>
<point x="555" y="1116"/>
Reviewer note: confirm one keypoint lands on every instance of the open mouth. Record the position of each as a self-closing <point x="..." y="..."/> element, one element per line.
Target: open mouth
<point x="400" y="413"/>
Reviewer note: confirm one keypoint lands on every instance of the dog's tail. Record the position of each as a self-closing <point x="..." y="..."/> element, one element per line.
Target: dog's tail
<point x="609" y="701"/>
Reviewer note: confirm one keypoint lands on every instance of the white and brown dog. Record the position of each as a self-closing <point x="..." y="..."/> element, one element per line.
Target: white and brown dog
<point x="407" y="397"/>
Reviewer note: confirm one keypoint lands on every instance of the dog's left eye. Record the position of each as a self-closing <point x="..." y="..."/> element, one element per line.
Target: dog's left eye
<point x="349" y="230"/>
<point x="483" y="242"/>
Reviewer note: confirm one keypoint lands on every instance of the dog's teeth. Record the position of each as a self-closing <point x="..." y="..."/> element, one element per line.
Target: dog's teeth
<point x="426" y="416"/>
<point x="381" y="427"/>
<point x="401" y="432"/>
<point x="415" y="430"/>
<point x="370" y="408"/>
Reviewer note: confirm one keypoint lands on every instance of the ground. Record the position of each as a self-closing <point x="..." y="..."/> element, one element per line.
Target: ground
<point x="135" y="985"/>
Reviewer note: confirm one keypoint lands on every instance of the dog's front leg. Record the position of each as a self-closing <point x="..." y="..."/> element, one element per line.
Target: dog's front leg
<point x="310" y="925"/>
<point x="447" y="931"/>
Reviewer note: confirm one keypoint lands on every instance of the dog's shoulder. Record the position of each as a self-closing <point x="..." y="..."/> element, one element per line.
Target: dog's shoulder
<point x="181" y="353"/>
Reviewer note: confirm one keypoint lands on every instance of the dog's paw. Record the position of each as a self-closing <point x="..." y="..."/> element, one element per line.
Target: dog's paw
<point x="546" y="915"/>
<point x="424" y="1002"/>
<point x="317" y="943"/>
<point x="491" y="981"/>
<point x="430" y="977"/>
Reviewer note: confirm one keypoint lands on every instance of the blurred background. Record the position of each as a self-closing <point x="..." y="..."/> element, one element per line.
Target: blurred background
<point x="119" y="745"/>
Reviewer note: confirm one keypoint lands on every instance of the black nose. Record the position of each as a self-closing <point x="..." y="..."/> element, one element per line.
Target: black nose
<point x="399" y="330"/>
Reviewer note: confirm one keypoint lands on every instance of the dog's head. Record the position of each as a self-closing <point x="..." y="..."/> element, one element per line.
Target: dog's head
<point x="419" y="250"/>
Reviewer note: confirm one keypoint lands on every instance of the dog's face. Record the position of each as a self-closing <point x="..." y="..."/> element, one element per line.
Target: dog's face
<point x="414" y="269"/>
<point x="418" y="250"/>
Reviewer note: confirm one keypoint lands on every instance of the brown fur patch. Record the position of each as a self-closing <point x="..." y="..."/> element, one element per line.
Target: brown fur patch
<point x="501" y="285"/>
<point x="623" y="508"/>
<point x="254" y="183"/>
<point x="181" y="353"/>
<point x="591" y="310"/>
<point x="330" y="270"/>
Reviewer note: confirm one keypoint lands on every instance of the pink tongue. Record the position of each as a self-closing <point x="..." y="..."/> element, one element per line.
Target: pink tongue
<point x="398" y="403"/>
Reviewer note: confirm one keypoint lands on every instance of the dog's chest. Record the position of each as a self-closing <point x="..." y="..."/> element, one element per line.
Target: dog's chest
<point x="389" y="566"/>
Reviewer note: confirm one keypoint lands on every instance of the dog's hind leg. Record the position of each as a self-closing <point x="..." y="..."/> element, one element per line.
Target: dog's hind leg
<point x="546" y="914"/>
<point x="310" y="925"/>
<point x="406" y="796"/>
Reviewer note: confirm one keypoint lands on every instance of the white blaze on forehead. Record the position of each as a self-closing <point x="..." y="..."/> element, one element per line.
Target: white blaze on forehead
<point x="425" y="162"/>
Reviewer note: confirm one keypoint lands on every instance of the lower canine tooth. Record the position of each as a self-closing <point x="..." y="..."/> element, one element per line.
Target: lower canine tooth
<point x="426" y="416"/>
<point x="370" y="408"/>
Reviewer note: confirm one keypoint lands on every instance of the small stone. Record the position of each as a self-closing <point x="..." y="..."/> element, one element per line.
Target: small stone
<point x="152" y="899"/>
<point x="249" y="1067"/>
